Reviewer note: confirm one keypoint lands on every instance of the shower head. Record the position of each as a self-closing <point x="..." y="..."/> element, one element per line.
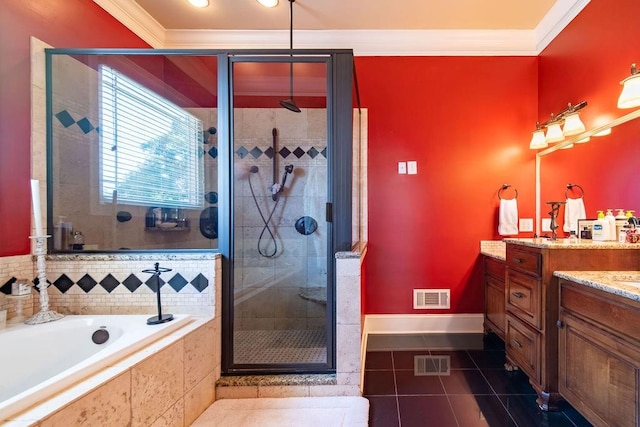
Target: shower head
<point x="290" y="105"/>
<point x="288" y="168"/>
<point x="254" y="169"/>
<point x="212" y="130"/>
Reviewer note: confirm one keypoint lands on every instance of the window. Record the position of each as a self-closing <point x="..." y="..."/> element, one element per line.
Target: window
<point x="151" y="149"/>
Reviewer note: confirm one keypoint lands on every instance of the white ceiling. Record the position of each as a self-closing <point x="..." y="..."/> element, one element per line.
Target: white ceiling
<point x="370" y="27"/>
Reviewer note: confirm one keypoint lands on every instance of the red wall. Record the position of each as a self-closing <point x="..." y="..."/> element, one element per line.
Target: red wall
<point x="467" y="121"/>
<point x="60" y="23"/>
<point x="586" y="62"/>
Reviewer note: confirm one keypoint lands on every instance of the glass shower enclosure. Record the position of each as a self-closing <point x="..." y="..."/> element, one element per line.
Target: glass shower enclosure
<point x="250" y="155"/>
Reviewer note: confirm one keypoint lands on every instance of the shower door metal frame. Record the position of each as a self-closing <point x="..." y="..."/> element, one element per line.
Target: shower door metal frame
<point x="339" y="188"/>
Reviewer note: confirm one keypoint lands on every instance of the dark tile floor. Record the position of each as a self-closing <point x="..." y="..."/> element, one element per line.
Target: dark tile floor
<point x="475" y="390"/>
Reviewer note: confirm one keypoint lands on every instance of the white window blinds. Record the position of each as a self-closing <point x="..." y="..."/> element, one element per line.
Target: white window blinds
<point x="151" y="149"/>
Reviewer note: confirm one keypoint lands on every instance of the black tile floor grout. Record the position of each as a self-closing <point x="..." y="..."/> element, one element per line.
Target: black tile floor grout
<point x="476" y="392"/>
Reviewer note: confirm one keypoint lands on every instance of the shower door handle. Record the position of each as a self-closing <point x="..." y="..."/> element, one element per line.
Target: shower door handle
<point x="329" y="212"/>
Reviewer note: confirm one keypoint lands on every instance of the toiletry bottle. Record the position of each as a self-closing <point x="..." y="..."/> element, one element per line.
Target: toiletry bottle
<point x="78" y="241"/>
<point x="622" y="236"/>
<point x="65" y="235"/>
<point x="57" y="234"/>
<point x="600" y="230"/>
<point x="572" y="237"/>
<point x="612" y="225"/>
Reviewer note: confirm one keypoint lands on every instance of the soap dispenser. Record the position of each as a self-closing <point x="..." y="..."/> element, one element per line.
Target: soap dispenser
<point x="600" y="231"/>
<point x="613" y="236"/>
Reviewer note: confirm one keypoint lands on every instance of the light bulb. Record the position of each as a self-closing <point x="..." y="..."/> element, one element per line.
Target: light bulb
<point x="572" y="124"/>
<point x="268" y="3"/>
<point x="554" y="133"/>
<point x="537" y="140"/>
<point x="199" y="3"/>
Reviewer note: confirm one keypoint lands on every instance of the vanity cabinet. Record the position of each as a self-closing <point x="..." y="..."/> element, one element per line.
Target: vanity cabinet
<point x="532" y="301"/>
<point x="494" y="309"/>
<point x="599" y="354"/>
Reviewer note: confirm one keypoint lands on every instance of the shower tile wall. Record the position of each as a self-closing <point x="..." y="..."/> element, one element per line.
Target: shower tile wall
<point x="269" y="291"/>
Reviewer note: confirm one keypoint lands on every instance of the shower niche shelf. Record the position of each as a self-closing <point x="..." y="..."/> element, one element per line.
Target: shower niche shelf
<point x="166" y="230"/>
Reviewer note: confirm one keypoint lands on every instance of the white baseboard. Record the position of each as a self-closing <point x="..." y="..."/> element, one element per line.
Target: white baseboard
<point x="423" y="323"/>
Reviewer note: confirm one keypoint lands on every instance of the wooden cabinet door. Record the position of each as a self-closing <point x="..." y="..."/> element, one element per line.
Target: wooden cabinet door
<point x="598" y="373"/>
<point x="494" y="305"/>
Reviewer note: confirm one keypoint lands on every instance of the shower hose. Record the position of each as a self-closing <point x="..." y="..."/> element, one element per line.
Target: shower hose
<point x="266" y="227"/>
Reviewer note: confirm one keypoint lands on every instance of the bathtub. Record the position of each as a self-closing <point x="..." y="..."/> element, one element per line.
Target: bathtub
<point x="39" y="361"/>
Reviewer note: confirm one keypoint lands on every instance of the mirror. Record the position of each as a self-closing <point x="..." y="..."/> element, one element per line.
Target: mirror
<point x="605" y="167"/>
<point x="132" y="152"/>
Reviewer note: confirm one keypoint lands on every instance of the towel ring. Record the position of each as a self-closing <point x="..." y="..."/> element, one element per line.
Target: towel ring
<point x="504" y="187"/>
<point x="572" y="188"/>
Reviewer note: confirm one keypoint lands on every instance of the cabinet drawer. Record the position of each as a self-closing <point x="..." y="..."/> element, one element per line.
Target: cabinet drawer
<point x="494" y="268"/>
<point x="523" y="297"/>
<point x="523" y="260"/>
<point x="523" y="347"/>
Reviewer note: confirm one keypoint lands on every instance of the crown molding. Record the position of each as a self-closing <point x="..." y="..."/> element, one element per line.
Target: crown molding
<point x="558" y="17"/>
<point x="135" y="18"/>
<point x="363" y="42"/>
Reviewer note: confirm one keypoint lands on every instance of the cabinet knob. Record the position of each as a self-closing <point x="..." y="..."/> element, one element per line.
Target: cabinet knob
<point x="517" y="294"/>
<point x="518" y="260"/>
<point x="560" y="324"/>
<point x="516" y="343"/>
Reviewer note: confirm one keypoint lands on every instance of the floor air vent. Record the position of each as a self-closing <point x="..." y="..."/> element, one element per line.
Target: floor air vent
<point x="431" y="298"/>
<point x="431" y="365"/>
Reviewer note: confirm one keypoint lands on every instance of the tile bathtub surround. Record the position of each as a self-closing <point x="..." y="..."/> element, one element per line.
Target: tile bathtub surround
<point x="11" y="268"/>
<point x="115" y="284"/>
<point x="171" y="382"/>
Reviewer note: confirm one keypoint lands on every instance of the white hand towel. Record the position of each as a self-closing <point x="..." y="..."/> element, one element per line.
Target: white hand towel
<point x="508" y="217"/>
<point x="573" y="211"/>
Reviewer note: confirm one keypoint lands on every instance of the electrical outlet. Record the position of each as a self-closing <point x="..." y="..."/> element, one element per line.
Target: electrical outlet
<point x="546" y="224"/>
<point x="402" y="168"/>
<point x="412" y="167"/>
<point x="526" y="224"/>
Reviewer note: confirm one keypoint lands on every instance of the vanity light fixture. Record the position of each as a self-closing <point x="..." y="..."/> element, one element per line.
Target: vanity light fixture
<point x="538" y="140"/>
<point x="199" y="3"/>
<point x="630" y="96"/>
<point x="268" y="3"/>
<point x="569" y="117"/>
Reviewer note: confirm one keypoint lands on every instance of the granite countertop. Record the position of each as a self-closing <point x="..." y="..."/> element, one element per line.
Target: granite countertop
<point x="609" y="281"/>
<point x="541" y="242"/>
<point x="494" y="249"/>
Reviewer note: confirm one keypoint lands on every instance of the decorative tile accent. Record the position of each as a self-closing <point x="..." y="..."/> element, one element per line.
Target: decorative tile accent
<point x="284" y="152"/>
<point x="200" y="282"/>
<point x="213" y="152"/>
<point x="65" y="118"/>
<point x="85" y="125"/>
<point x="63" y="283"/>
<point x="298" y="152"/>
<point x="242" y="152"/>
<point x="86" y="283"/>
<point x="256" y="152"/>
<point x="132" y="282"/>
<point x="6" y="288"/>
<point x="152" y="284"/>
<point x="177" y="282"/>
<point x="312" y="152"/>
<point x="109" y="283"/>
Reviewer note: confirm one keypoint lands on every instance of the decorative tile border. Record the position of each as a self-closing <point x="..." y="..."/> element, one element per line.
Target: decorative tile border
<point x="284" y="152"/>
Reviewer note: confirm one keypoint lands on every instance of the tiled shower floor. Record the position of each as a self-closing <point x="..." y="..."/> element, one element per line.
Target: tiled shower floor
<point x="279" y="346"/>
<point x="474" y="391"/>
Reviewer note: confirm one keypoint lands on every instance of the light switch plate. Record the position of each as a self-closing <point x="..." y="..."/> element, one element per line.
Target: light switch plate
<point x="412" y="167"/>
<point x="526" y="224"/>
<point x="546" y="224"/>
<point x="402" y="168"/>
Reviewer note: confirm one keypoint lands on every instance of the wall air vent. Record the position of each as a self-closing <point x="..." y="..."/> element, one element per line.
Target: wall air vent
<point x="431" y="365"/>
<point x="426" y="299"/>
